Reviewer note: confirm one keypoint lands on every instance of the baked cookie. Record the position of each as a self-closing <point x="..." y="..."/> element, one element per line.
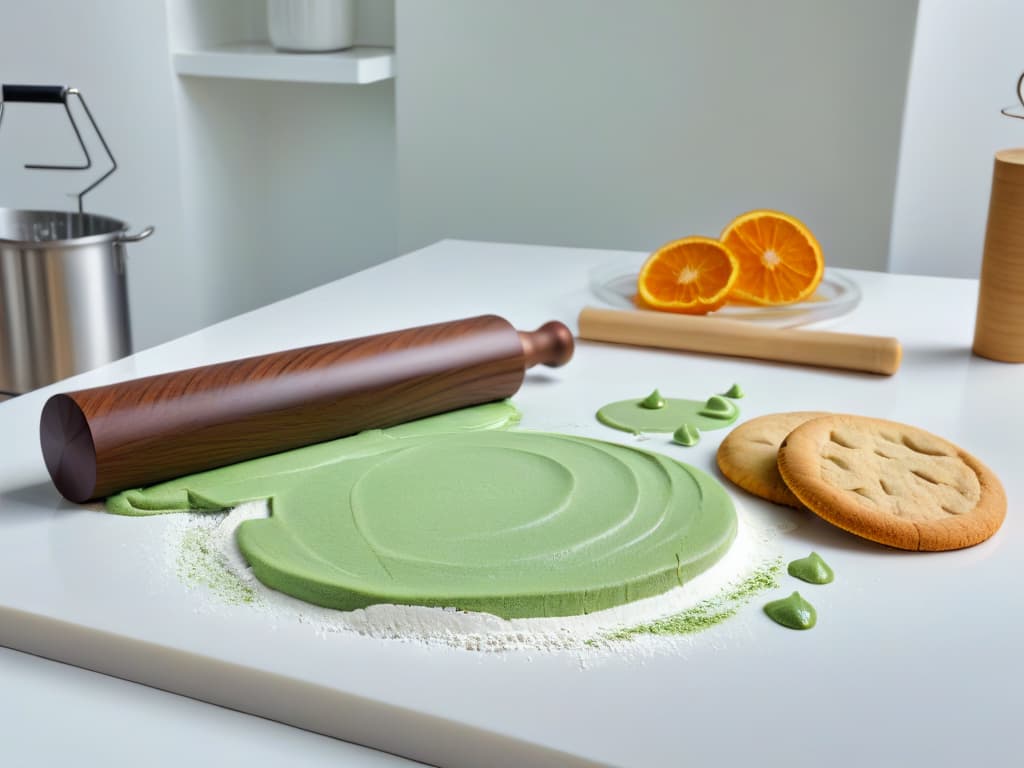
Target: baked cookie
<point x="892" y="483"/>
<point x="748" y="455"/>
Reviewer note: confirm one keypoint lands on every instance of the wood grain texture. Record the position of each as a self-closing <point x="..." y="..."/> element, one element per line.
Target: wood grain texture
<point x="718" y="336"/>
<point x="102" y="440"/>
<point x="999" y="324"/>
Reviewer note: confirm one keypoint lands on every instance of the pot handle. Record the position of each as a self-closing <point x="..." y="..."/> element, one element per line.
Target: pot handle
<point x="126" y="238"/>
<point x="59" y="94"/>
<point x="40" y="94"/>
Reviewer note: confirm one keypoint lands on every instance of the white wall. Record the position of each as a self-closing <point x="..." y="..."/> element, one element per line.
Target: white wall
<point x="115" y="52"/>
<point x="286" y="185"/>
<point x="603" y="124"/>
<point x="966" y="62"/>
<point x="257" y="190"/>
<point x="624" y="125"/>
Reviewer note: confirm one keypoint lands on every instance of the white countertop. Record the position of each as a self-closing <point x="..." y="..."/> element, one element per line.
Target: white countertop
<point x="58" y="715"/>
<point x="915" y="659"/>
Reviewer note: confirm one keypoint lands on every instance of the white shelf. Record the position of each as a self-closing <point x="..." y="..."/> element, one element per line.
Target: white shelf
<point x="259" y="61"/>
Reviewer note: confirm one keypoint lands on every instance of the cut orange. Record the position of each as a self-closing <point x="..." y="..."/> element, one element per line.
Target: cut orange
<point x="692" y="276"/>
<point x="780" y="260"/>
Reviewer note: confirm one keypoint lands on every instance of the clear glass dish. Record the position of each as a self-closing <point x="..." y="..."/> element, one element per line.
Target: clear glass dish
<point x="614" y="284"/>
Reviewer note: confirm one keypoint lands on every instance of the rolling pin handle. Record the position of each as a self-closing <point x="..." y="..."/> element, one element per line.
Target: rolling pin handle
<point x="552" y="345"/>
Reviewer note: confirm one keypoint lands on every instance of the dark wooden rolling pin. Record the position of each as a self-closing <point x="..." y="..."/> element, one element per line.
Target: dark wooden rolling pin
<point x="107" y="439"/>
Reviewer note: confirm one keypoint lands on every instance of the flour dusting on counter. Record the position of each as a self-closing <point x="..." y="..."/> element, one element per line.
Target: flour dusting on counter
<point x="201" y="549"/>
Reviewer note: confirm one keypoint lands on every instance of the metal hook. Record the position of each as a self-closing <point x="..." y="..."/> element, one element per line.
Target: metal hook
<point x="59" y="94"/>
<point x="1020" y="99"/>
<point x="106" y="148"/>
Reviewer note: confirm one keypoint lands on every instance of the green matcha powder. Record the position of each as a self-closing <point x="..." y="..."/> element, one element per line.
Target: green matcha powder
<point x="201" y="565"/>
<point x="712" y="611"/>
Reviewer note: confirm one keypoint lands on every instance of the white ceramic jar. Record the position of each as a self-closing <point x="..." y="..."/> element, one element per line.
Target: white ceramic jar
<point x="311" y="26"/>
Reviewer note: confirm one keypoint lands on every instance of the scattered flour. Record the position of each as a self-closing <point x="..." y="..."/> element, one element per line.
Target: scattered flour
<point x="201" y="549"/>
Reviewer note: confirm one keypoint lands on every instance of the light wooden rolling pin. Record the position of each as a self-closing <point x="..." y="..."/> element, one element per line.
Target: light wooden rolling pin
<point x="718" y="336"/>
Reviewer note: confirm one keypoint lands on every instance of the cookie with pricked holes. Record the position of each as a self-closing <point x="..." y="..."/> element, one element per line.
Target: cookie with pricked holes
<point x="892" y="483"/>
<point x="748" y="455"/>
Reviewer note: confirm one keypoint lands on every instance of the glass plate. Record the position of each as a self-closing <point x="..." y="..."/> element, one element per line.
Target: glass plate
<point x="615" y="285"/>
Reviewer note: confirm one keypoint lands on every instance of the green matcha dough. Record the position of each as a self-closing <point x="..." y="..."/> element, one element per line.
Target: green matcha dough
<point x="717" y="407"/>
<point x="653" y="401"/>
<point x="639" y="415"/>
<point x="456" y="511"/>
<point x="793" y="612"/>
<point x="687" y="435"/>
<point x="812" y="569"/>
<point x="735" y="392"/>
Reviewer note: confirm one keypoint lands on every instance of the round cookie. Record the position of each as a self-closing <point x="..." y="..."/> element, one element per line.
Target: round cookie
<point x="748" y="455"/>
<point x="892" y="483"/>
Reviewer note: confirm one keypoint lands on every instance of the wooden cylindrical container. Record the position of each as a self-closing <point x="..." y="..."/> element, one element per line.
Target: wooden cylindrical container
<point x="99" y="441"/>
<point x="999" y="325"/>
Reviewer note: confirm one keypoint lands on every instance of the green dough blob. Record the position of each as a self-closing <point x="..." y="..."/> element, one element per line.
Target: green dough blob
<point x="717" y="407"/>
<point x="653" y="401"/>
<point x="811" y="569"/>
<point x="687" y="435"/>
<point x="633" y="416"/>
<point x="454" y="511"/>
<point x="735" y="392"/>
<point x="793" y="612"/>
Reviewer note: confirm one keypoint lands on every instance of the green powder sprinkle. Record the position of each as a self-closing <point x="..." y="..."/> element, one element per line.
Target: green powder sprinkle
<point x="201" y="565"/>
<point x="712" y="611"/>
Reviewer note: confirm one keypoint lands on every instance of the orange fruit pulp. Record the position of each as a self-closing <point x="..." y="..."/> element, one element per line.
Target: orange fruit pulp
<point x="780" y="261"/>
<point x="691" y="276"/>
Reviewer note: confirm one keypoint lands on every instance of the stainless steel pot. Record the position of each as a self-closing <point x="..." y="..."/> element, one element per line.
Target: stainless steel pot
<point x="63" y="297"/>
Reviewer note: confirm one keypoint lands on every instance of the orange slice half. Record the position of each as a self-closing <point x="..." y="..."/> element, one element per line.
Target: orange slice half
<point x="780" y="260"/>
<point x="692" y="276"/>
